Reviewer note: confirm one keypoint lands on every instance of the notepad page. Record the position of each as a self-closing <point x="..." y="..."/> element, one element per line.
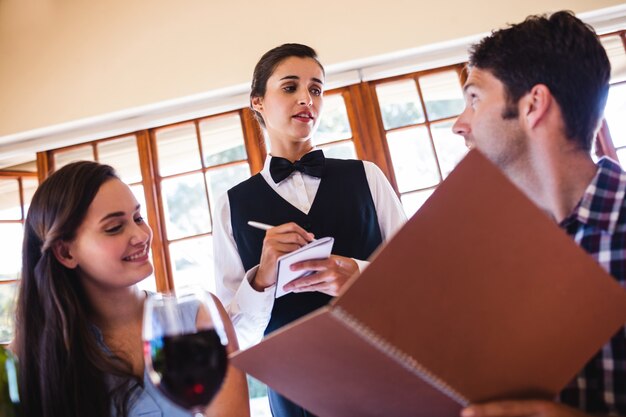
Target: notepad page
<point x="317" y="249"/>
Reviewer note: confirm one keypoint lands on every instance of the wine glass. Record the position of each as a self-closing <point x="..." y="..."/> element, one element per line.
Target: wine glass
<point x="185" y="347"/>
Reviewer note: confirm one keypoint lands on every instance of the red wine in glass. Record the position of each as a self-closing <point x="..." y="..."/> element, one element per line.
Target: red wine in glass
<point x="192" y="367"/>
<point x="185" y="348"/>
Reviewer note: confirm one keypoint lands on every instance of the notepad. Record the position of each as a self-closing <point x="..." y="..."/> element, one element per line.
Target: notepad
<point x="317" y="249"/>
<point x="479" y="297"/>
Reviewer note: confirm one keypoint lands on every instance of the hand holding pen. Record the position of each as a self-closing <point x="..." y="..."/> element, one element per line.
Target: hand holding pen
<point x="330" y="275"/>
<point x="279" y="240"/>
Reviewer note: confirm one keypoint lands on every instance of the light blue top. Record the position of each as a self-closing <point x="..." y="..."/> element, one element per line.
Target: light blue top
<point x="148" y="401"/>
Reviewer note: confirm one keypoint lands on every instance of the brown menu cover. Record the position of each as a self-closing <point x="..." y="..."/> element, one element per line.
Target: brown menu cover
<point x="480" y="296"/>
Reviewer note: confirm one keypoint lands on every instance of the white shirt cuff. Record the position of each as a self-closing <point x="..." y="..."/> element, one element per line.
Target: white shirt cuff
<point x="361" y="264"/>
<point x="252" y="301"/>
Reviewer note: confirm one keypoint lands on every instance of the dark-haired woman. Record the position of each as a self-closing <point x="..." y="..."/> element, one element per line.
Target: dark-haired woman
<point x="79" y="313"/>
<point x="304" y="195"/>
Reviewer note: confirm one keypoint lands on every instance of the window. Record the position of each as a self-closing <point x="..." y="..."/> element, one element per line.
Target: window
<point x="16" y="190"/>
<point x="197" y="163"/>
<point x="334" y="134"/>
<point x="178" y="171"/>
<point x="417" y="113"/>
<point x="615" y="45"/>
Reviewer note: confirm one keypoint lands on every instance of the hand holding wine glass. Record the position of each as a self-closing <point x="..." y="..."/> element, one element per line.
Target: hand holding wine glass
<point x="185" y="347"/>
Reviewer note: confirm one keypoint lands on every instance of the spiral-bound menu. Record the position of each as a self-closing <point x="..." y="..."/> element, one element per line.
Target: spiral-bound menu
<point x="479" y="297"/>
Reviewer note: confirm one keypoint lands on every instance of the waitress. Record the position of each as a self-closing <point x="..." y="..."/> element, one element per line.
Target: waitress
<point x="304" y="194"/>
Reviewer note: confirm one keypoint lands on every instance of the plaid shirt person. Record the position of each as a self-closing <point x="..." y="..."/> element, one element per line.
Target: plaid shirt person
<point x="598" y="225"/>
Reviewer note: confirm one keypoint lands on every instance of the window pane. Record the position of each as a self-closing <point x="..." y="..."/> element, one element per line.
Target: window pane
<point x="121" y="154"/>
<point x="450" y="148"/>
<point x="222" y="140"/>
<point x="220" y="180"/>
<point x="29" y="186"/>
<point x="10" y="207"/>
<point x="141" y="199"/>
<point x="83" y="153"/>
<point x="10" y="250"/>
<point x="186" y="207"/>
<point x="192" y="263"/>
<point x="413" y="159"/>
<point x="443" y="96"/>
<point x="344" y="150"/>
<point x="614" y="114"/>
<point x="334" y="124"/>
<point x="615" y="50"/>
<point x="413" y="201"/>
<point x="399" y="104"/>
<point x="8" y="295"/>
<point x="178" y="149"/>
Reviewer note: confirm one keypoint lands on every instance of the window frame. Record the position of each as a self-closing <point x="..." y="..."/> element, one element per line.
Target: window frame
<point x="381" y="132"/>
<point x="368" y="137"/>
<point x="19" y="176"/>
<point x="604" y="142"/>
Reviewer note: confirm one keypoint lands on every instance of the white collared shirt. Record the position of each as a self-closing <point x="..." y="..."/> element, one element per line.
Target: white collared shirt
<point x="249" y="309"/>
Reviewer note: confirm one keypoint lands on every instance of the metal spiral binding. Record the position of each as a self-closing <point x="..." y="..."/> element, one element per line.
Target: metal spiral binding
<point x="397" y="355"/>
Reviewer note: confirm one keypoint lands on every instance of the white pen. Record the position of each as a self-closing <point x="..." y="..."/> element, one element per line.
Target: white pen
<point x="264" y="226"/>
<point x="259" y="225"/>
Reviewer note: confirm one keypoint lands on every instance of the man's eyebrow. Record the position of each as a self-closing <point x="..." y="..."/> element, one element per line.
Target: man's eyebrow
<point x="117" y="214"/>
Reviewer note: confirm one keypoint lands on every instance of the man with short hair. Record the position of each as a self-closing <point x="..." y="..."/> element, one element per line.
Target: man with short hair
<point x="535" y="96"/>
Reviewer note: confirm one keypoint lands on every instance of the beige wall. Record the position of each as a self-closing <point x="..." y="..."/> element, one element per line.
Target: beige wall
<point x="63" y="60"/>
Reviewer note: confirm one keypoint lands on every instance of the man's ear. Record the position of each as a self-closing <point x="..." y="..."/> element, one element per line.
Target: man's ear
<point x="537" y="103"/>
<point x="257" y="103"/>
<point x="62" y="252"/>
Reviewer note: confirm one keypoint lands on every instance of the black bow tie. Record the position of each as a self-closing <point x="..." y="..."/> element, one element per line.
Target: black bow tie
<point x="311" y="164"/>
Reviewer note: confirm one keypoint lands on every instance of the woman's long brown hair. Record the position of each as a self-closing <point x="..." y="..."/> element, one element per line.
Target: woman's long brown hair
<point x="64" y="372"/>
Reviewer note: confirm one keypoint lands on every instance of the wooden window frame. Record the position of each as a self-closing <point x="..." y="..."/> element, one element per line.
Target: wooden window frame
<point x="254" y="144"/>
<point x="604" y="145"/>
<point x="368" y="137"/>
<point x="19" y="176"/>
<point x="380" y="133"/>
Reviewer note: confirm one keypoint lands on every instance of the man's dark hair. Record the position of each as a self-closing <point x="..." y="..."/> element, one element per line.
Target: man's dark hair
<point x="559" y="51"/>
<point x="268" y="63"/>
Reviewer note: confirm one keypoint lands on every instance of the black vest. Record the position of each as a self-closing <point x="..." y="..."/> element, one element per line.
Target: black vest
<point x="343" y="208"/>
